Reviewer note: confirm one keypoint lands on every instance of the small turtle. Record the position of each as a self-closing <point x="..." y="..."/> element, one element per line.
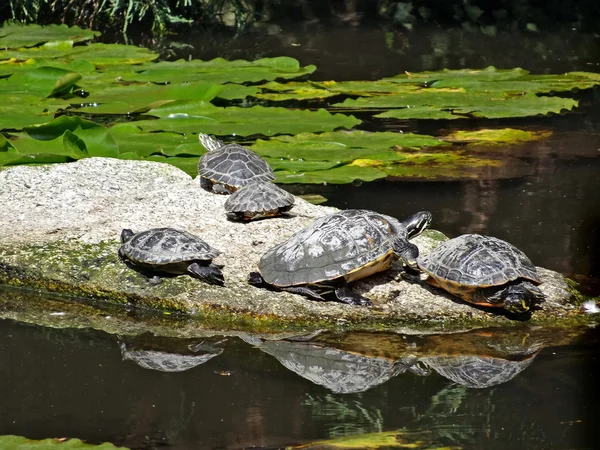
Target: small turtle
<point x="257" y="200"/>
<point x="170" y="251"/>
<point x="485" y="271"/>
<point x="337" y="249"/>
<point x="227" y="167"/>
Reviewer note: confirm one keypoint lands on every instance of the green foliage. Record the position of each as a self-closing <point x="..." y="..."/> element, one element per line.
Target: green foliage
<point x="47" y="89"/>
<point x="21" y="443"/>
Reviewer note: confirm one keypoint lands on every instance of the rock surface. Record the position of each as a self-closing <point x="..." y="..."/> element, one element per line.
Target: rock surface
<point x="62" y="225"/>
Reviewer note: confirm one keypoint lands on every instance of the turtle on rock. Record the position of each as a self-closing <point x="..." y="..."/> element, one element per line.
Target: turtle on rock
<point x="224" y="168"/>
<point x="166" y="251"/>
<point x="258" y="200"/>
<point x="485" y="271"/>
<point x="337" y="249"/>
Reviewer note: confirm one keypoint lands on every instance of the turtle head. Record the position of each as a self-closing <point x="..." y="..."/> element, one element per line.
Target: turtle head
<point x="520" y="297"/>
<point x="210" y="143"/>
<point x="126" y="235"/>
<point x="417" y="223"/>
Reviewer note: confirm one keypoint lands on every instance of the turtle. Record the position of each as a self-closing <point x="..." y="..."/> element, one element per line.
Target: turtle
<point x="337" y="249"/>
<point x="485" y="271"/>
<point x="226" y="167"/>
<point x="257" y="200"/>
<point x="168" y="251"/>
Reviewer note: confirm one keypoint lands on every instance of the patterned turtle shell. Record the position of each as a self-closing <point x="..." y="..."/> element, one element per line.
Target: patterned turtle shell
<point x="352" y="244"/>
<point x="231" y="165"/>
<point x="164" y="246"/>
<point x="474" y="261"/>
<point x="258" y="199"/>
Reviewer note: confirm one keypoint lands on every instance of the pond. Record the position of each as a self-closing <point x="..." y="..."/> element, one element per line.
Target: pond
<point x="517" y="390"/>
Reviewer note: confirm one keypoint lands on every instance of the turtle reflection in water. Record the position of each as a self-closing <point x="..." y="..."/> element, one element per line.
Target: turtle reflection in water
<point x="337" y="249"/>
<point x="475" y="371"/>
<point x="167" y="356"/>
<point x="485" y="271"/>
<point x="337" y="370"/>
<point x="227" y="167"/>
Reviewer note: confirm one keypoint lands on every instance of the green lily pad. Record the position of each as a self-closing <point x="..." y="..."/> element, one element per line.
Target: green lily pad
<point x="101" y="55"/>
<point x="188" y="164"/>
<point x="125" y="99"/>
<point x="337" y="175"/>
<point x="194" y="117"/>
<point x="458" y="105"/>
<point x="42" y="82"/>
<point x="220" y="70"/>
<point x="131" y="139"/>
<point x="21" y="443"/>
<point x="63" y="139"/>
<point x="19" y="111"/>
<point x="237" y="91"/>
<point x="15" y="35"/>
<point x="496" y="136"/>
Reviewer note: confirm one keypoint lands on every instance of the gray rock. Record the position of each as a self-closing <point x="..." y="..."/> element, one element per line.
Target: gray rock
<point x="62" y="225"/>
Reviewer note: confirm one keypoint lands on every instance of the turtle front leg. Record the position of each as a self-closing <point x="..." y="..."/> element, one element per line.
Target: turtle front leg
<point x="209" y="274"/>
<point x="345" y="294"/>
<point x="407" y="252"/>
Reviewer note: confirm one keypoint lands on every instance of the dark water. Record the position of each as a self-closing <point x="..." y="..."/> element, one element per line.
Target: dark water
<point x="485" y="393"/>
<point x="76" y="383"/>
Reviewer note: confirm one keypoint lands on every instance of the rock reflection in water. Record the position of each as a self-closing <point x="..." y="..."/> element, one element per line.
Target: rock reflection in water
<point x="167" y="355"/>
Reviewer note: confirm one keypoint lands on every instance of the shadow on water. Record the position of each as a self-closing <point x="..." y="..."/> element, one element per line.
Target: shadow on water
<point x="524" y="387"/>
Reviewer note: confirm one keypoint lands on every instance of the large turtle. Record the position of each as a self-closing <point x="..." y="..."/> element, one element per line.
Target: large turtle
<point x="257" y="200"/>
<point x="337" y="249"/>
<point x="485" y="271"/>
<point x="227" y="167"/>
<point x="170" y="251"/>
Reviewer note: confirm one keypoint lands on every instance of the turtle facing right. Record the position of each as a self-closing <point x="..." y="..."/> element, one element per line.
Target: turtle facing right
<point x="485" y="271"/>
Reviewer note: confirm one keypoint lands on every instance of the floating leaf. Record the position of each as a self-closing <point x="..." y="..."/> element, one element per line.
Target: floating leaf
<point x="124" y="99"/>
<point x="496" y="136"/>
<point x="15" y="35"/>
<point x="101" y="55"/>
<point x="337" y="175"/>
<point x="194" y="117"/>
<point x="71" y="137"/>
<point x="21" y="443"/>
<point x="220" y="70"/>
<point x="42" y="82"/>
<point x="18" y="111"/>
<point x="131" y="139"/>
<point x="460" y="105"/>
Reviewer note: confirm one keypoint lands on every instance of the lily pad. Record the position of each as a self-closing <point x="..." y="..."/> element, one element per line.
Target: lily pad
<point x="496" y="136"/>
<point x="220" y="70"/>
<point x="22" y="443"/>
<point x="18" y="111"/>
<point x="42" y="82"/>
<point x="125" y="99"/>
<point x="337" y="175"/>
<point x="194" y="117"/>
<point x="66" y="138"/>
<point x="100" y="55"/>
<point x="447" y="105"/>
<point x="15" y="35"/>
<point x="131" y="139"/>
